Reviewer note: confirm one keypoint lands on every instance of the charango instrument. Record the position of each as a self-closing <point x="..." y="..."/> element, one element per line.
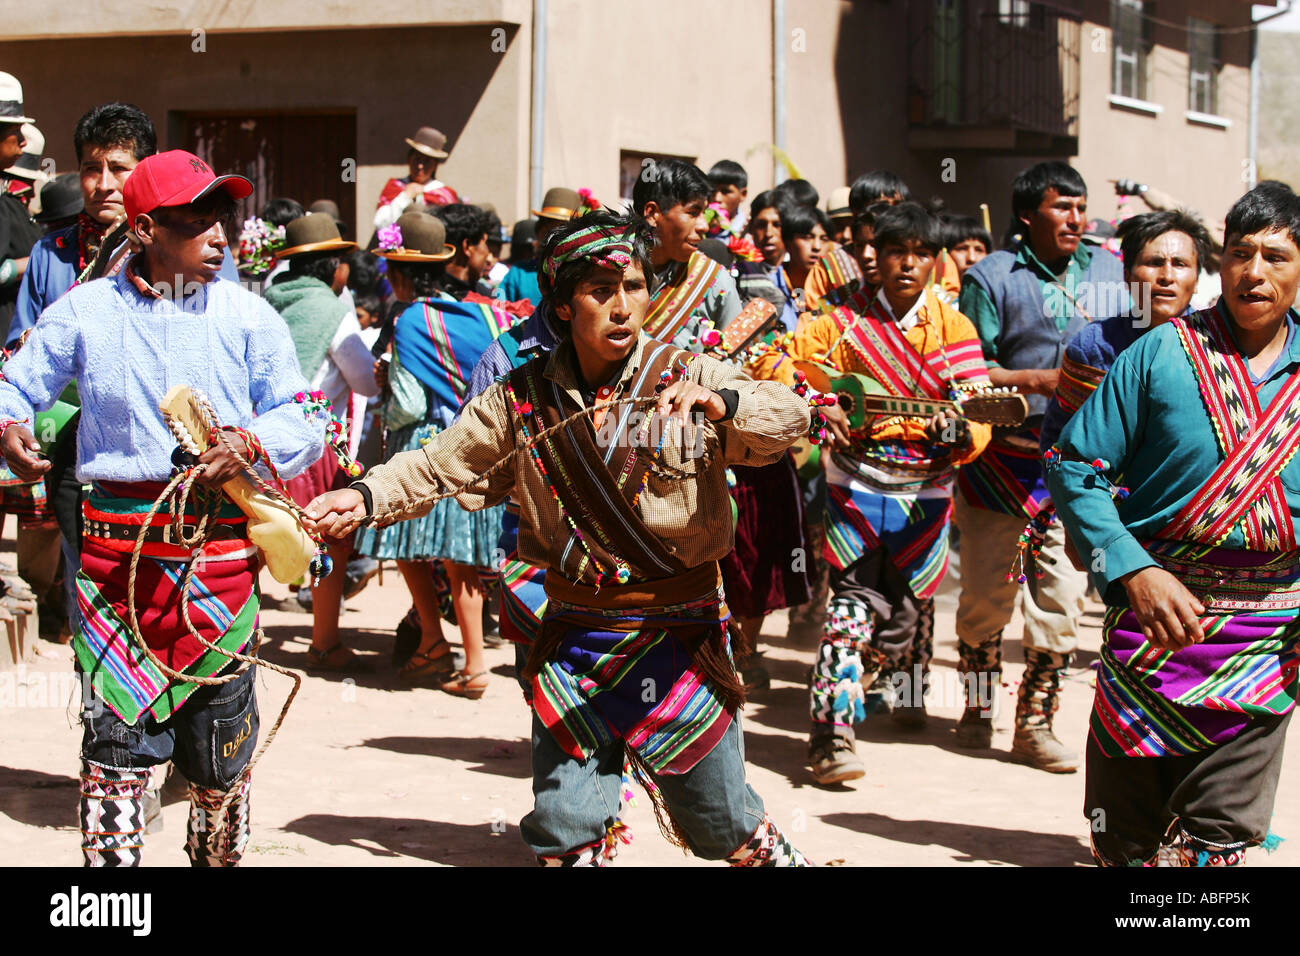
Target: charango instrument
<point x="864" y="399"/>
<point x="272" y="526"/>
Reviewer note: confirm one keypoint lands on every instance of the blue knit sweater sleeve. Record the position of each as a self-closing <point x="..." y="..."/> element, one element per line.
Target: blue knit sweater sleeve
<point x="293" y="439"/>
<point x="38" y="372"/>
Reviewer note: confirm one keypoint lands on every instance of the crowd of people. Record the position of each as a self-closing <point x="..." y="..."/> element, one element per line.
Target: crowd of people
<point x="623" y="446"/>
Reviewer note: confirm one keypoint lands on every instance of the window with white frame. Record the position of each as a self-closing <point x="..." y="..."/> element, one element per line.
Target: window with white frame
<point x="1202" y="66"/>
<point x="1129" y="48"/>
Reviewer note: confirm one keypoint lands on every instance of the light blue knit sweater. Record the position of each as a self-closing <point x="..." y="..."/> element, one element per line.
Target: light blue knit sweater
<point x="126" y="350"/>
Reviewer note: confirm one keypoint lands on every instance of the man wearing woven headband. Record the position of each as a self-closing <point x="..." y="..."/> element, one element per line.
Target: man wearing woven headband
<point x="629" y="521"/>
<point x="181" y="324"/>
<point x="1196" y="558"/>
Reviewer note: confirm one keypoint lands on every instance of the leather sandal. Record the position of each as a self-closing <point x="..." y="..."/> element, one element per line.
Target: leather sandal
<point x="339" y="659"/>
<point x="462" y="685"/>
<point x="429" y="664"/>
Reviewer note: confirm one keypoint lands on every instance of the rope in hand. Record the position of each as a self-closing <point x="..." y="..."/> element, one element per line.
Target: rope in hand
<point x="177" y="494"/>
<point x="185" y="481"/>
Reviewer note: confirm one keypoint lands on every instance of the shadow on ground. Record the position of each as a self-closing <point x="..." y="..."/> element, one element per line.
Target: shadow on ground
<point x="970" y="843"/>
<point x="39" y="799"/>
<point x="455" y="844"/>
<point x="506" y="758"/>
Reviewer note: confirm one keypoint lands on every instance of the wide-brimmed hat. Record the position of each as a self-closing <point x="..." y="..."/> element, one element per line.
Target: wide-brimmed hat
<point x="61" y="198"/>
<point x="11" y="100"/>
<point x="560" y="204"/>
<point x="329" y="208"/>
<point x="429" y="141"/>
<point x="28" y="165"/>
<point x="837" y="206"/>
<point x="418" y="237"/>
<point x="314" y="232"/>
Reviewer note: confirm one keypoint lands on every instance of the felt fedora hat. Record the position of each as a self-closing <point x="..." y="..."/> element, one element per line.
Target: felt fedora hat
<point x="419" y="238"/>
<point x="330" y="208"/>
<point x="314" y="232"/>
<point x="837" y="206"/>
<point x="429" y="141"/>
<point x="11" y="100"/>
<point x="28" y="165"/>
<point x="560" y="204"/>
<point x="61" y="198"/>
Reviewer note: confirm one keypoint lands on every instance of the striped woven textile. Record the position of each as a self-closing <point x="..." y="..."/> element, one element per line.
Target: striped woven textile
<point x="1155" y="703"/>
<point x="224" y="602"/>
<point x="1077" y="382"/>
<point x="915" y="530"/>
<point x="1007" y="478"/>
<point x="523" y="591"/>
<point x="439" y="341"/>
<point x="891" y="359"/>
<point x="619" y="674"/>
<point x="839" y="276"/>
<point x="1256" y="444"/>
<point x="672" y="306"/>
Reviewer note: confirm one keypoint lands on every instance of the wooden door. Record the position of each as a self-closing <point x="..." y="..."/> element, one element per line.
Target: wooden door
<point x="302" y="156"/>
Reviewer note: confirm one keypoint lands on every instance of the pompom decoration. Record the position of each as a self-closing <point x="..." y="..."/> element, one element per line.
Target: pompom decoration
<point x="589" y="202"/>
<point x="390" y="238"/>
<point x="321" y="566"/>
<point x="623" y="575"/>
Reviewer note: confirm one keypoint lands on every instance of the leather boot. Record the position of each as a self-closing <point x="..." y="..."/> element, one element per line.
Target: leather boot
<point x="1034" y="742"/>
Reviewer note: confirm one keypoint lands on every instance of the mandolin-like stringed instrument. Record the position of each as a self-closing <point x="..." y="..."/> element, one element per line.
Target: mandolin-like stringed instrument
<point x="864" y="399"/>
<point x="272" y="527"/>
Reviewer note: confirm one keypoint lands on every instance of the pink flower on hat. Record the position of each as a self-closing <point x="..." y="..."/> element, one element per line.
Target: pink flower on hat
<point x="390" y="238"/>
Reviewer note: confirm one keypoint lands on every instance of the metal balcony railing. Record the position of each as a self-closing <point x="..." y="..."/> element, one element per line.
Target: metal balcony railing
<point x="995" y="74"/>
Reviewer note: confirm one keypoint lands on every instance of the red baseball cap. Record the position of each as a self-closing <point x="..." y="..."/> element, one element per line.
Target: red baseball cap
<point x="175" y="178"/>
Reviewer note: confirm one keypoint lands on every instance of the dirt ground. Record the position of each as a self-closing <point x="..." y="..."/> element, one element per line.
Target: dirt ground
<point x="369" y="772"/>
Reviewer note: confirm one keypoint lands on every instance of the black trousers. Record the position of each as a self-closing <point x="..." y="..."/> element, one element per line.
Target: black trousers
<point x="1222" y="798"/>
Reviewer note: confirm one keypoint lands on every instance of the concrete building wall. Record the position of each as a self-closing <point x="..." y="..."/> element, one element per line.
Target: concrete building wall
<point x="1279" y="110"/>
<point x="451" y="79"/>
<point x="1201" y="165"/>
<point x="679" y="77"/>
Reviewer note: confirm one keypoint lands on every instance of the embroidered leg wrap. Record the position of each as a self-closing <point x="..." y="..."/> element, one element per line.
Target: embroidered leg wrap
<point x="112" y="815"/>
<point x="912" y="678"/>
<point x="836" y="690"/>
<point x="1040" y="688"/>
<point x="768" y="847"/>
<point x="1188" y="850"/>
<point x="205" y="844"/>
<point x="980" y="667"/>
<point x="599" y="852"/>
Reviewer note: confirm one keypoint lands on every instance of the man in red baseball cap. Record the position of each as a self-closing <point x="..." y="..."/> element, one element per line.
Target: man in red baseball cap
<point x="176" y="208"/>
<point x="166" y="319"/>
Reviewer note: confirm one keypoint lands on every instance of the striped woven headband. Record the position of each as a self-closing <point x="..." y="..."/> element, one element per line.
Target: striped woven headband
<point x="600" y="244"/>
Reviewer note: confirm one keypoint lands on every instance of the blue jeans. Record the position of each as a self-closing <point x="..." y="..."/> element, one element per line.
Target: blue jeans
<point x="210" y="738"/>
<point x="575" y="802"/>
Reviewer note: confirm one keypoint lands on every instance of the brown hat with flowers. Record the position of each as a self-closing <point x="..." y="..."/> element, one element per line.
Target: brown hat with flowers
<point x="415" y="237"/>
<point x="314" y="232"/>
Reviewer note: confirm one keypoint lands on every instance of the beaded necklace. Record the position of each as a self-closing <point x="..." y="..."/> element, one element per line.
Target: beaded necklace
<point x="622" y="574"/>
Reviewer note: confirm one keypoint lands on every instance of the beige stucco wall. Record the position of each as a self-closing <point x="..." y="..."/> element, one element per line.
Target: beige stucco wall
<point x="1279" y="111"/>
<point x="1200" y="165"/>
<point x="682" y="77"/>
<point x="478" y="97"/>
